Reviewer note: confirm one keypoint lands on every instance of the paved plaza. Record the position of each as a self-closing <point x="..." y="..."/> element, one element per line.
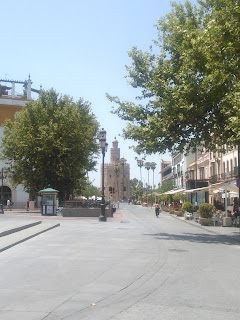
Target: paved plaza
<point x="134" y="266"/>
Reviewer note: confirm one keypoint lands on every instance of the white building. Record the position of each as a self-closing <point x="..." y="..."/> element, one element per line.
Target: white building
<point x="11" y="103"/>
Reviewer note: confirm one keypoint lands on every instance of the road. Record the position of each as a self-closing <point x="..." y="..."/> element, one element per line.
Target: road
<point x="135" y="266"/>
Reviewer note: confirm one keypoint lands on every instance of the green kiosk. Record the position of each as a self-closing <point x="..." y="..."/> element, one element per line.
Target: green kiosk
<point x="49" y="201"/>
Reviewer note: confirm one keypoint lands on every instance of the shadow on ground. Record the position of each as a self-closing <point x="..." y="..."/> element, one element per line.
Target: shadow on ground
<point x="199" y="238"/>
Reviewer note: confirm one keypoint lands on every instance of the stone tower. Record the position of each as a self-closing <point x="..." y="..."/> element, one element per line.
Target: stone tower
<point x="117" y="176"/>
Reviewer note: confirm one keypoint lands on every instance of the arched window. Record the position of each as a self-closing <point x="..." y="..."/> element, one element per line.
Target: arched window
<point x="7" y="194"/>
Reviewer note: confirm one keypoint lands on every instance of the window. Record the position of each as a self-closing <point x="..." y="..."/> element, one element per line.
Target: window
<point x="201" y="173"/>
<point x="212" y="169"/>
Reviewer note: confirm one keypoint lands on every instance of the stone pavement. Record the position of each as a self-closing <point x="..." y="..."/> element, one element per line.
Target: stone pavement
<point x="132" y="267"/>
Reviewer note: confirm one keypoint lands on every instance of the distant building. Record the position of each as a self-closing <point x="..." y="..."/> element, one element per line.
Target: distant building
<point x="165" y="171"/>
<point x="116" y="176"/>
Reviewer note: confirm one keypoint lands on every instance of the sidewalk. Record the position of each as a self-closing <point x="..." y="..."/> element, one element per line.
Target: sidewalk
<point x="232" y="232"/>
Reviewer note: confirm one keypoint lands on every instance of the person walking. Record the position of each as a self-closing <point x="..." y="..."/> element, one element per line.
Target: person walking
<point x="8" y="204"/>
<point x="27" y="205"/>
<point x="157" y="208"/>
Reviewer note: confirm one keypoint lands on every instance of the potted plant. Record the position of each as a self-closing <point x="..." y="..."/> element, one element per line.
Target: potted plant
<point x="206" y="213"/>
<point x="187" y="209"/>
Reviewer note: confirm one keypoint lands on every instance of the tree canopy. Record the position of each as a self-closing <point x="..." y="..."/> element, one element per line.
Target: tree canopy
<point x="136" y="188"/>
<point x="189" y="81"/>
<point x="52" y="141"/>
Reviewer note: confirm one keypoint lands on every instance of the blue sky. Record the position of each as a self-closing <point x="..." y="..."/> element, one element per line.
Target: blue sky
<point x="80" y="48"/>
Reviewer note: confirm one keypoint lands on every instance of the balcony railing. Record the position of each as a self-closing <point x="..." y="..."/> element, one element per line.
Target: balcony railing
<point x="224" y="176"/>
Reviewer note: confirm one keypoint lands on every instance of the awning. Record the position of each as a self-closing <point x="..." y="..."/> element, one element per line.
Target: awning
<point x="156" y="194"/>
<point x="174" y="191"/>
<point x="215" y="188"/>
<point x="230" y="194"/>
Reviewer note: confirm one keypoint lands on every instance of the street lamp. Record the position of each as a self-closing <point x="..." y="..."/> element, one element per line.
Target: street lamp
<point x="140" y="165"/>
<point x="103" y="145"/>
<point x="3" y="176"/>
<point x="123" y="161"/>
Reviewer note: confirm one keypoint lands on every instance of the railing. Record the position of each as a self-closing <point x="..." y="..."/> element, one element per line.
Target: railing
<point x="224" y="176"/>
<point x="84" y="204"/>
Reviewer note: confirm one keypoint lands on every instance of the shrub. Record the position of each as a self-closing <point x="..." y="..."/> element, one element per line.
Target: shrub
<point x="206" y="210"/>
<point x="187" y="206"/>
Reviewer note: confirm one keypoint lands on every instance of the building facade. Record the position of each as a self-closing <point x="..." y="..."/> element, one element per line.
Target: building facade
<point x="165" y="171"/>
<point x="11" y="103"/>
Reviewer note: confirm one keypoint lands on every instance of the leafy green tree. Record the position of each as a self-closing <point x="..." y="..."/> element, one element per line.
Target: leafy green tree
<point x="136" y="188"/>
<point x="52" y="141"/>
<point x="189" y="82"/>
<point x="165" y="197"/>
<point x="180" y="196"/>
<point x="166" y="186"/>
<point x="90" y="190"/>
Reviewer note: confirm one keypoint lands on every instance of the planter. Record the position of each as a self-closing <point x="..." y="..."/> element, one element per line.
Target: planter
<point x="227" y="222"/>
<point x="179" y="213"/>
<point x="205" y="221"/>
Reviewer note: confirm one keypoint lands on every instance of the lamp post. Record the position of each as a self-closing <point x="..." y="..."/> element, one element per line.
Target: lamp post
<point x="153" y="167"/>
<point x="3" y="176"/>
<point x="123" y="161"/>
<point x="103" y="145"/>
<point x="140" y="165"/>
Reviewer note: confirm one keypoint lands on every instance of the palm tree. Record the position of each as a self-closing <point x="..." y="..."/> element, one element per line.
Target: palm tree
<point x="153" y="167"/>
<point x="147" y="166"/>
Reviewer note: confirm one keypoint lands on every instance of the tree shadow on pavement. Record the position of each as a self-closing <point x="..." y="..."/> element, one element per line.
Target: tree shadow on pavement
<point x="199" y="238"/>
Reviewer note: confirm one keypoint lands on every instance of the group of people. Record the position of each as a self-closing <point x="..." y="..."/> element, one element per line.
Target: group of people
<point x="10" y="204"/>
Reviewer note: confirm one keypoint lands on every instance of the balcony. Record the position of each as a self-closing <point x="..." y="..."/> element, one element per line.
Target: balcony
<point x="190" y="175"/>
<point x="224" y="176"/>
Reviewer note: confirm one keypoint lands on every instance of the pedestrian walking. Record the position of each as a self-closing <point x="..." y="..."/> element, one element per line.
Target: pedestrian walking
<point x="157" y="208"/>
<point x="8" y="204"/>
<point x="27" y="205"/>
